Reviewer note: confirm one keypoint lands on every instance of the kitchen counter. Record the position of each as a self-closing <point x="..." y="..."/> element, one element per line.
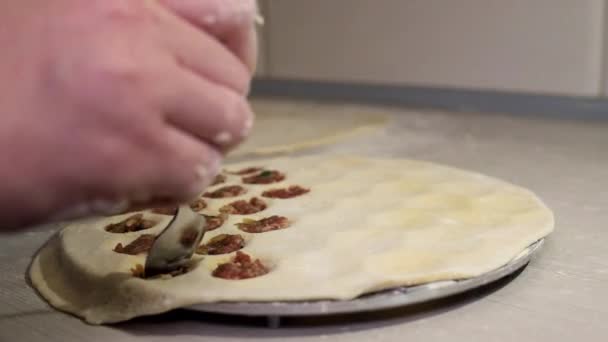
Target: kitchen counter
<point x="561" y="296"/>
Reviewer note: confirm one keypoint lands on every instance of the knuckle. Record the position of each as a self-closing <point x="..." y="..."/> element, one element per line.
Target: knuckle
<point x="235" y="107"/>
<point x="236" y="112"/>
<point x="116" y="156"/>
<point x="116" y="73"/>
<point x="125" y="84"/>
<point x="125" y="11"/>
<point x="241" y="79"/>
<point x="180" y="185"/>
<point x="239" y="11"/>
<point x="109" y="173"/>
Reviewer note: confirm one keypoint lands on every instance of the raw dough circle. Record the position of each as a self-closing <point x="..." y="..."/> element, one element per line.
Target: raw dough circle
<point x="366" y="225"/>
<point x="284" y="128"/>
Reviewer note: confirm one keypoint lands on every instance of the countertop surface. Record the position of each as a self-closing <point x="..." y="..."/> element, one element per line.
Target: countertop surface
<point x="561" y="296"/>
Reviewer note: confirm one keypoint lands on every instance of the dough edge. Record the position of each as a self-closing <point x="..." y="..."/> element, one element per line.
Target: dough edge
<point x="368" y="128"/>
<point x="56" y="285"/>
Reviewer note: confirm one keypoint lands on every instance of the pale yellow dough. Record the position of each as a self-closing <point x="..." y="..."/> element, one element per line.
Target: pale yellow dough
<point x="366" y="225"/>
<point x="284" y="128"/>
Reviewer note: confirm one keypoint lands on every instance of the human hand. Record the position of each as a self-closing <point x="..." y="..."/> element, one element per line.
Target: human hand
<point x="228" y="20"/>
<point x="106" y="104"/>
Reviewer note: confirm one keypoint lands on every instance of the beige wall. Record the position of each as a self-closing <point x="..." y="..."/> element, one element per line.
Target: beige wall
<point x="540" y="46"/>
<point x="262" y="41"/>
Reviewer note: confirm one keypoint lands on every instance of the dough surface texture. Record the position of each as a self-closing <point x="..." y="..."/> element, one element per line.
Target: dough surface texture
<point x="366" y="225"/>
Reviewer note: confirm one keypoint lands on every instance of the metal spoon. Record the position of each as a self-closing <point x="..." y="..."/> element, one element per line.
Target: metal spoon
<point x="174" y="247"/>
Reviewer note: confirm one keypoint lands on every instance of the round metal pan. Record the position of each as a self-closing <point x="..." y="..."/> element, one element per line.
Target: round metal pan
<point x="383" y="300"/>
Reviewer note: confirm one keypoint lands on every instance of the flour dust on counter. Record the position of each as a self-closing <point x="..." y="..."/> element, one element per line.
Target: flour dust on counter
<point x="285" y="127"/>
<point x="299" y="229"/>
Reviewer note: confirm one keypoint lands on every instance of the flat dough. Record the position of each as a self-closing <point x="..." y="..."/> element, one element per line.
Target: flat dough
<point x="283" y="127"/>
<point x="366" y="225"/>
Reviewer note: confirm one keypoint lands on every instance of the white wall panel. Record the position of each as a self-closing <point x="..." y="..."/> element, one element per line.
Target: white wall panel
<point x="262" y="41"/>
<point x="540" y="46"/>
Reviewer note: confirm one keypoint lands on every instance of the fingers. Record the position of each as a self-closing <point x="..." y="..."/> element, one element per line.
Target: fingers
<point x="230" y="21"/>
<point x="204" y="55"/>
<point x="183" y="167"/>
<point x="205" y="95"/>
<point x="207" y="111"/>
<point x="176" y="169"/>
<point x="191" y="106"/>
<point x="173" y="168"/>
